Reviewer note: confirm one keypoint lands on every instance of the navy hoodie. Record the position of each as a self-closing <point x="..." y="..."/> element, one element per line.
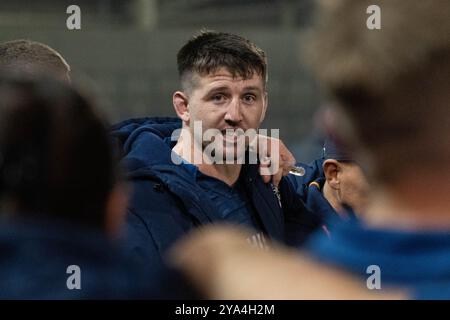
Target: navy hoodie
<point x="167" y="202"/>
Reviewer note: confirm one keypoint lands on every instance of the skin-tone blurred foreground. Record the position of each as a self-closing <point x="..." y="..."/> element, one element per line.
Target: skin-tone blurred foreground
<point x="222" y="264"/>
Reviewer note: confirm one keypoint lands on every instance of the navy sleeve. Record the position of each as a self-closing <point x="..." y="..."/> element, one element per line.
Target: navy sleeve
<point x="156" y="219"/>
<point x="300" y="222"/>
<point x="139" y="242"/>
<point x="313" y="171"/>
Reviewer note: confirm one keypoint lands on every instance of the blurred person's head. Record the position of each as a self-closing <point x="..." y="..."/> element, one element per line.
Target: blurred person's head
<point x="392" y="88"/>
<point x="345" y="182"/>
<point x="223" y="79"/>
<point x="56" y="160"/>
<point x="392" y="83"/>
<point x="28" y="56"/>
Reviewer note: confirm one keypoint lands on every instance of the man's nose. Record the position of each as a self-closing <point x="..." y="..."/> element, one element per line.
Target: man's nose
<point x="233" y="115"/>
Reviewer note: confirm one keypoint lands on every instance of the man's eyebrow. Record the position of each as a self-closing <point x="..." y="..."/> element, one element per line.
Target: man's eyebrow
<point x="252" y="88"/>
<point x="221" y="88"/>
<point x="226" y="88"/>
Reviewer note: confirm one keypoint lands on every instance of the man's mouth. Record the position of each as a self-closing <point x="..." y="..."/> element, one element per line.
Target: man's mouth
<point x="232" y="135"/>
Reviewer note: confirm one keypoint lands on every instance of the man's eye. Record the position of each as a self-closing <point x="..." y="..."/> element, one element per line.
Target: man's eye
<point x="249" y="98"/>
<point x="218" y="98"/>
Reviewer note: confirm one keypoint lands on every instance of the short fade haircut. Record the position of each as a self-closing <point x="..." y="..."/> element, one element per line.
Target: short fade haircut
<point x="56" y="157"/>
<point x="392" y="83"/>
<point x="209" y="51"/>
<point x="31" y="56"/>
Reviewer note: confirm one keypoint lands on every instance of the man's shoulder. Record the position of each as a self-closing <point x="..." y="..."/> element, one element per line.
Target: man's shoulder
<point x="144" y="139"/>
<point x="135" y="123"/>
<point x="306" y="173"/>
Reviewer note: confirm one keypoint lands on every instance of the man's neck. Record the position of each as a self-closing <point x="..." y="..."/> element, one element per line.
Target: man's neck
<point x="228" y="173"/>
<point x="420" y="206"/>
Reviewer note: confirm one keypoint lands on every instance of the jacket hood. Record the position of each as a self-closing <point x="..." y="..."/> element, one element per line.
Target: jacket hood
<point x="146" y="153"/>
<point x="143" y="142"/>
<point x="146" y="149"/>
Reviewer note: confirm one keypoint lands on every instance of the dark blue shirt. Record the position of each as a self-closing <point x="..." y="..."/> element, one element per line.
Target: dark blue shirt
<point x="231" y="202"/>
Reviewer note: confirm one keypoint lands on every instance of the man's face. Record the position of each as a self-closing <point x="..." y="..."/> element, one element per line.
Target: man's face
<point x="221" y="101"/>
<point x="354" y="188"/>
<point x="346" y="184"/>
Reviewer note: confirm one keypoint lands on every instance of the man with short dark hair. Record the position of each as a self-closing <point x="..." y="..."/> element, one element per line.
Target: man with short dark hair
<point x="223" y="78"/>
<point x="31" y="57"/>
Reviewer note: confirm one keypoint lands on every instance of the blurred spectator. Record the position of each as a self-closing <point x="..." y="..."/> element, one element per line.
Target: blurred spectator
<point x="29" y="56"/>
<point x="333" y="185"/>
<point x="61" y="200"/>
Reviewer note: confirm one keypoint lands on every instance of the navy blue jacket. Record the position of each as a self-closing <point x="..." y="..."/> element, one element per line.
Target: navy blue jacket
<point x="417" y="261"/>
<point x="309" y="188"/>
<point x="35" y="255"/>
<point x="167" y="202"/>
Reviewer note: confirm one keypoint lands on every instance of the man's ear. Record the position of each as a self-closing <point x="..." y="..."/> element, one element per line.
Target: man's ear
<point x="181" y="105"/>
<point x="265" y="104"/>
<point x="331" y="168"/>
